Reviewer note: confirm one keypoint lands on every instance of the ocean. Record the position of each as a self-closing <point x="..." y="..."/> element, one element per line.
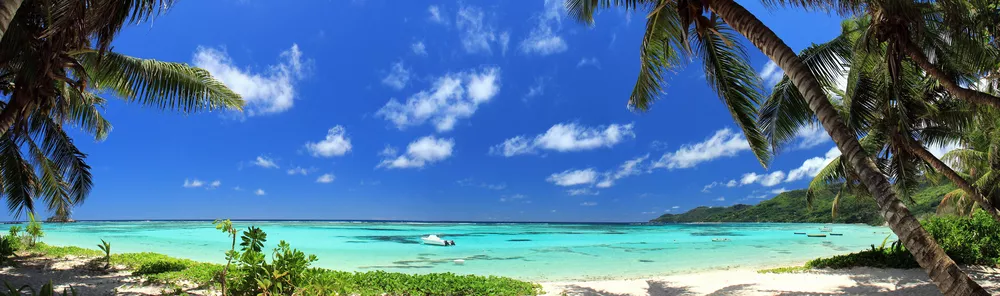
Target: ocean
<point x="527" y="251"/>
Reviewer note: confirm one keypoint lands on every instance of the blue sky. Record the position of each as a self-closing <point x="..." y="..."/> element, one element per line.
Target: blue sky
<point x="484" y="110"/>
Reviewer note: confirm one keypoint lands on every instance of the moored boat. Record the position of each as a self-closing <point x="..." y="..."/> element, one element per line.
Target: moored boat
<point x="435" y="240"/>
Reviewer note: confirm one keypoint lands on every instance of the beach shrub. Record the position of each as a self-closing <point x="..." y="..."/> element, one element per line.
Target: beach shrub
<point x="106" y="248"/>
<point x="7" y="248"/>
<point x="34" y="229"/>
<point x="330" y="282"/>
<point x="46" y="290"/>
<point x="895" y="256"/>
<point x="256" y="276"/>
<point x="974" y="240"/>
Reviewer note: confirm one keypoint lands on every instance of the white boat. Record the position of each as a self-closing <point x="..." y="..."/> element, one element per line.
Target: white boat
<point x="435" y="240"/>
<point x="826" y="229"/>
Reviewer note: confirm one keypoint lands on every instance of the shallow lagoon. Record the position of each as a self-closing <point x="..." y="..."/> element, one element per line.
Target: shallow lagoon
<point x="530" y="251"/>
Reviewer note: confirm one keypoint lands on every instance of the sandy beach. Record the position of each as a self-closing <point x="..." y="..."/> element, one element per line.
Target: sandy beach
<point x="82" y="274"/>
<point x="857" y="281"/>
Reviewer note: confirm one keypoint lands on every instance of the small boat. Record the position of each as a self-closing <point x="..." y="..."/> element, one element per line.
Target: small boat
<point x="722" y="239"/>
<point x="459" y="261"/>
<point x="826" y="229"/>
<point x="837" y="234"/>
<point x="800" y="233"/>
<point x="816" y="235"/>
<point x="435" y="240"/>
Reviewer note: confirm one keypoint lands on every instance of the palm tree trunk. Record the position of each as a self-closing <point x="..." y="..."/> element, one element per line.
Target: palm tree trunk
<point x="7" y="10"/>
<point x="942" y="270"/>
<point x="949" y="84"/>
<point x="946" y="170"/>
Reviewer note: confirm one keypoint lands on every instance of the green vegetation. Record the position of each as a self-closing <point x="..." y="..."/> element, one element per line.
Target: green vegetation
<point x="34" y="230"/>
<point x="106" y="248"/>
<point x="967" y="240"/>
<point x="789" y="269"/>
<point x="46" y="290"/>
<point x="288" y="272"/>
<point x="791" y="206"/>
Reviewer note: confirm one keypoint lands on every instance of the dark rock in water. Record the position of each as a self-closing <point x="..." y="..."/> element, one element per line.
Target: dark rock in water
<point x="519" y="240"/>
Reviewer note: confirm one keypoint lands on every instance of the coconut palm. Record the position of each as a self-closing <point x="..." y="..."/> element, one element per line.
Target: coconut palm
<point x="66" y="42"/>
<point x="899" y="111"/>
<point x="978" y="159"/>
<point x="667" y="28"/>
<point x="54" y="60"/>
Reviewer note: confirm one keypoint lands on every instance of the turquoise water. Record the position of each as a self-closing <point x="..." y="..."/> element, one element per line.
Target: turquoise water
<point x="538" y="252"/>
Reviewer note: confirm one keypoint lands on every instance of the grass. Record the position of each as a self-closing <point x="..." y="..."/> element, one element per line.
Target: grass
<point x="788" y="269"/>
<point x="168" y="270"/>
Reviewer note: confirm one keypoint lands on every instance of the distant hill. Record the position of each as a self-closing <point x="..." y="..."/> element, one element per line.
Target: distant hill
<point x="791" y="207"/>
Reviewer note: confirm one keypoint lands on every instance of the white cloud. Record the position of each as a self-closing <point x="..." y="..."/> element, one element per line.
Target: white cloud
<point x="336" y="143"/>
<point x="709" y="186"/>
<point x="419" y="48"/>
<point x="514" y="197"/>
<point x="266" y="92"/>
<point x="766" y="180"/>
<point x="398" y="76"/>
<point x="237" y="188"/>
<point x="265" y="162"/>
<point x="195" y="183"/>
<point x="419" y="153"/>
<point x="536" y="89"/>
<point x="260" y="192"/>
<point x="725" y="143"/>
<point x="731" y="183"/>
<point x="544" y="38"/>
<point x="811" y="167"/>
<point x="779" y="190"/>
<point x="504" y="42"/>
<point x="811" y="135"/>
<point x="582" y="191"/>
<point x="435" y="14"/>
<point x="628" y="168"/>
<point x="298" y="171"/>
<point x="215" y="184"/>
<point x="325" y="178"/>
<point x="588" y="204"/>
<point x="771" y="74"/>
<point x="566" y="137"/>
<point x="721" y="198"/>
<point x="675" y="207"/>
<point x="446" y="102"/>
<point x="476" y="34"/>
<point x="573" y="177"/>
<point x="589" y="62"/>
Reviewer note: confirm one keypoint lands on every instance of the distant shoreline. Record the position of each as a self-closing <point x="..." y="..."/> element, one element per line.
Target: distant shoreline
<point x="436" y="222"/>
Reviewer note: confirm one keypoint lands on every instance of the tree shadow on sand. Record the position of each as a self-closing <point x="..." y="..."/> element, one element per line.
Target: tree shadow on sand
<point x="85" y="275"/>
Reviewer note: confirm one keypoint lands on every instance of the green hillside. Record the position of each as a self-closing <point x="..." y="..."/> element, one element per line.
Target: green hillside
<point x="791" y="207"/>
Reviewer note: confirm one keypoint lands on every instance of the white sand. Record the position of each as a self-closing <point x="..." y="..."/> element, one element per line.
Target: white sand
<point x="858" y="281"/>
<point x="87" y="279"/>
<point x="82" y="273"/>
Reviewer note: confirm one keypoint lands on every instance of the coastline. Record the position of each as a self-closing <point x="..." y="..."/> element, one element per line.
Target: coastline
<point x="746" y="281"/>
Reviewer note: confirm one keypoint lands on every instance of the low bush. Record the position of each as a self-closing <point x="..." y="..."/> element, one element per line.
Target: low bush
<point x="329" y="282"/>
<point x="894" y="256"/>
<point x="974" y="240"/>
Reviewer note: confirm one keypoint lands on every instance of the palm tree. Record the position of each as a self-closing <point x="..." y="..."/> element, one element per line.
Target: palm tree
<point x="977" y="159"/>
<point x="666" y="29"/>
<point x="54" y="60"/>
<point x="66" y="42"/>
<point x="900" y="111"/>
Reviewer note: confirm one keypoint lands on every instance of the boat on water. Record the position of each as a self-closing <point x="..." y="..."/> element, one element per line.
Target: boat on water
<point x="435" y="240"/>
<point x="837" y="234"/>
<point x="800" y="233"/>
<point x="826" y="229"/>
<point x="816" y="235"/>
<point x="721" y="239"/>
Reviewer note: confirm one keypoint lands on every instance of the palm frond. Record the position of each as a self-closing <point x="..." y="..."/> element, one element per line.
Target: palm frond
<point x="168" y="86"/>
<point x="18" y="177"/>
<point x="729" y="73"/>
<point x="583" y="10"/>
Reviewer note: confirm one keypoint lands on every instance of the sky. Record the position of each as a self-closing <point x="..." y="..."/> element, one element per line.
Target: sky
<point x="414" y="110"/>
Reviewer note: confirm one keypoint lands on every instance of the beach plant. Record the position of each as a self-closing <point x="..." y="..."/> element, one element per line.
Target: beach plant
<point x="106" y="248"/>
<point x="676" y="29"/>
<point x="285" y="272"/>
<point x="7" y="248"/>
<point x="226" y="226"/>
<point x="26" y="290"/>
<point x="34" y="230"/>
